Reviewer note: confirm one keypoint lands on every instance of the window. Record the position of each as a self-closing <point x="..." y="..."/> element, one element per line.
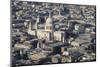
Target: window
<point x="48" y="27"/>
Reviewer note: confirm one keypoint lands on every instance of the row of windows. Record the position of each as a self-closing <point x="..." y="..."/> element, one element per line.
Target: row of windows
<point x="48" y="27"/>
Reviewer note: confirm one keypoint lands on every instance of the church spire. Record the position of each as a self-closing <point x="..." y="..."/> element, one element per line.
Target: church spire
<point x="30" y="25"/>
<point x="60" y="10"/>
<point x="38" y="19"/>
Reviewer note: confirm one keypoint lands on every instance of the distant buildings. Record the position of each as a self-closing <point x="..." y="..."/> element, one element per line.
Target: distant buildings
<point x="46" y="33"/>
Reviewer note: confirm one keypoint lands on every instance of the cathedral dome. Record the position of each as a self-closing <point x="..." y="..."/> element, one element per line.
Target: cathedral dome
<point x="49" y="23"/>
<point x="49" y="20"/>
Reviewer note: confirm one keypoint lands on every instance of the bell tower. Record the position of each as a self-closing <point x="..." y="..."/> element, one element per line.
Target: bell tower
<point x="36" y="24"/>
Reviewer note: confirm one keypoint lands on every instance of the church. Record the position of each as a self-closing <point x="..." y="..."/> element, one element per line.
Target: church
<point x="48" y="33"/>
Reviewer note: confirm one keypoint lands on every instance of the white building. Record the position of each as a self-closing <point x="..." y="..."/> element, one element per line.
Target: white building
<point x="48" y="33"/>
